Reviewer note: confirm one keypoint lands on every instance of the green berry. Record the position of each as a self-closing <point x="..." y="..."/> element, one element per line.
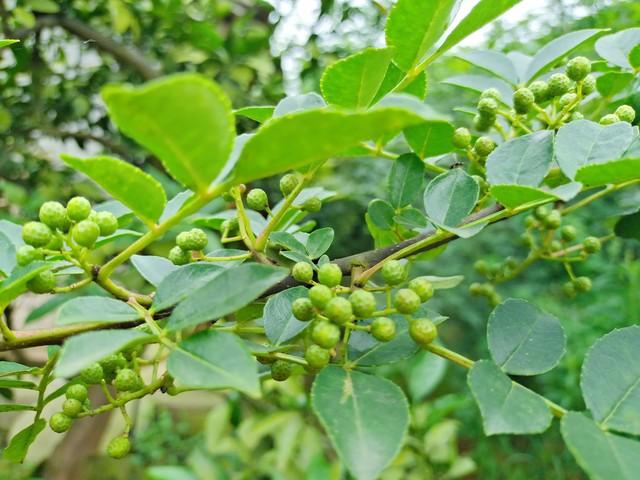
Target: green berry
<point x="302" y="272"/>
<point x="113" y="362"/>
<point x="626" y="113"/>
<point x="541" y="212"/>
<point x="559" y="84"/>
<point x="461" y="138"/>
<point x="195" y="239"/>
<point x="257" y="199"/>
<point x="54" y="244"/>
<point x="487" y="106"/>
<point x="491" y="93"/>
<point x="230" y="225"/>
<point x="320" y="295"/>
<point x="476" y="289"/>
<point x="339" y="310"/>
<point x="576" y="116"/>
<point x="406" y="301"/>
<point x="93" y="374"/>
<point x="569" y="289"/>
<point x="119" y="447"/>
<point x="126" y="380"/>
<point x="555" y="246"/>
<point x="72" y="407"/>
<point x="325" y="334"/>
<point x="107" y="223"/>
<point x="540" y="90"/>
<point x="530" y="221"/>
<point x="578" y="68"/>
<point x="78" y="208"/>
<point x="52" y="214"/>
<point x="483" y="123"/>
<point x="484" y="146"/>
<point x="423" y="331"/>
<point x="27" y="254"/>
<point x="85" y="233"/>
<point x="288" y="183"/>
<point x="77" y="391"/>
<point x="312" y="205"/>
<point x="588" y="85"/>
<point x="393" y="272"/>
<point x="591" y="244"/>
<point x="36" y="234"/>
<point x="609" y="119"/>
<point x="481" y="267"/>
<point x="553" y="220"/>
<point x="423" y="287"/>
<point x="317" y="357"/>
<point x="568" y="233"/>
<point x="302" y="309"/>
<point x="178" y="256"/>
<point x="330" y="275"/>
<point x="60" y="423"/>
<point x="582" y="284"/>
<point x="567" y="99"/>
<point x="526" y="239"/>
<point x="281" y="370"/>
<point x="363" y="303"/>
<point x="44" y="282"/>
<point x="523" y="98"/>
<point x="383" y="329"/>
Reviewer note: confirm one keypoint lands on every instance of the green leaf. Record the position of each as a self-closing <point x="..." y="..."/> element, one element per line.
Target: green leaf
<point x="279" y="323"/>
<point x="7" y="255"/>
<point x="17" y="449"/>
<point x="603" y="455"/>
<point x="583" y="142"/>
<point x="426" y="371"/>
<point x="615" y="172"/>
<point x="414" y="27"/>
<point x="381" y="237"/>
<point x="430" y="139"/>
<point x="494" y="62"/>
<point x="13" y="232"/>
<point x="553" y="51"/>
<point x="214" y="360"/>
<point x="136" y="189"/>
<point x="365" y="416"/>
<point x="634" y="57"/>
<point x="15" y="284"/>
<point x="176" y="286"/>
<point x="411" y="218"/>
<point x="364" y="350"/>
<point x="354" y="81"/>
<point x="406" y="179"/>
<point x="298" y="139"/>
<point x="615" y="48"/>
<point x="612" y="83"/>
<point x="13" y="368"/>
<point x="443" y="283"/>
<point x="95" y="309"/>
<point x="629" y="226"/>
<point x="7" y="42"/>
<point x="168" y="472"/>
<point x="80" y="351"/>
<point x="381" y="214"/>
<point x="513" y="196"/>
<point x="506" y="406"/>
<point x="450" y="197"/>
<point x="417" y="87"/>
<point x="287" y="240"/>
<point x="259" y="114"/>
<point x="299" y="103"/>
<point x="15" y="407"/>
<point x="153" y="269"/>
<point x="524" y="340"/>
<point x="184" y="119"/>
<point x="610" y="380"/>
<point x="522" y="161"/>
<point x="231" y="289"/>
<point x="319" y="242"/>
<point x="480" y="83"/>
<point x="122" y="233"/>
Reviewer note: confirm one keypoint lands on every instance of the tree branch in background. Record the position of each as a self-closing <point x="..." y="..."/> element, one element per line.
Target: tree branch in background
<point x="106" y="142"/>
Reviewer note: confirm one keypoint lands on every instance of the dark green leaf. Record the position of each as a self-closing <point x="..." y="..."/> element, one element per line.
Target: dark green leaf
<point x="430" y="139"/>
<point x="522" y="161"/>
<point x="450" y="197"/>
<point x="381" y="214"/>
<point x="95" y="309"/>
<point x="319" y="242"/>
<point x="417" y="87"/>
<point x="153" y="269"/>
<point x="612" y="83"/>
<point x="629" y="226"/>
<point x="179" y="284"/>
<point x="15" y="284"/>
<point x="615" y="172"/>
<point x="17" y="449"/>
<point x="405" y="180"/>
<point x="279" y="323"/>
<point x="287" y="240"/>
<point x="13" y="368"/>
<point x="364" y="350"/>
<point x="15" y="407"/>
<point x="634" y="57"/>
<point x="411" y="218"/>
<point x="426" y="370"/>
<point x="259" y="114"/>
<point x="512" y="196"/>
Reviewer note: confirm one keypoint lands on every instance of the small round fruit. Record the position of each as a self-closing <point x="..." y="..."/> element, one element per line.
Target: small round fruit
<point x="523" y="98"/>
<point x="320" y="295"/>
<point x="406" y="301"/>
<point x="461" y="138"/>
<point x="483" y="123"/>
<point x="553" y="220"/>
<point x="578" y="68"/>
<point x="568" y="233"/>
<point x="588" y="85"/>
<point x="330" y="275"/>
<point x="383" y="329"/>
<point x="302" y="309"/>
<point x="423" y="331"/>
<point x="302" y="272"/>
<point x="230" y="225"/>
<point x="78" y="208"/>
<point x="43" y="282"/>
<point x="72" y="407"/>
<point x="492" y="93"/>
<point x="484" y="146"/>
<point x="559" y="84"/>
<point x="36" y="234"/>
<point x="476" y="288"/>
<point x="178" y="256"/>
<point x="626" y="113"/>
<point x="339" y="310"/>
<point x="591" y="244"/>
<point x="530" y="221"/>
<point x="107" y="223"/>
<point x="288" y="183"/>
<point x="526" y="239"/>
<point x="393" y="272"/>
<point x="481" y="267"/>
<point x="113" y="362"/>
<point x="569" y="289"/>
<point x="423" y="287"/>
<point x="541" y="213"/>
<point x="93" y="374"/>
<point x="567" y="99"/>
<point x="363" y="303"/>
<point x="77" y="391"/>
<point x="195" y="239"/>
<point x="487" y="106"/>
<point x="52" y="214"/>
<point x="54" y="244"/>
<point x="126" y="380"/>
<point x="576" y="116"/>
<point x="325" y="334"/>
<point x="317" y="357"/>
<point x="555" y="246"/>
<point x="59" y="422"/>
<point x="540" y="90"/>
<point x="27" y="254"/>
<point x="85" y="233"/>
<point x="257" y="199"/>
<point x="119" y="447"/>
<point x="312" y="205"/>
<point x="609" y="119"/>
<point x="582" y="284"/>
<point x="281" y="370"/>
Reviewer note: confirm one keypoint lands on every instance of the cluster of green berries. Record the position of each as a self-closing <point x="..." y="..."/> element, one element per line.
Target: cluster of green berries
<point x="75" y="225"/>
<point x="288" y="183"/>
<point x="487" y="106"/>
<point x="482" y="146"/>
<point x="487" y="289"/>
<point x="194" y="240"/>
<point x="624" y="113"/>
<point x="576" y="285"/>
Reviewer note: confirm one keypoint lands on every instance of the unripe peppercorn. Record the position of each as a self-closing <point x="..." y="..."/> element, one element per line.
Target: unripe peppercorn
<point x="559" y="84"/>
<point x="406" y="301"/>
<point x="317" y="357"/>
<point x="576" y="116"/>
<point x="383" y="329"/>
<point x="338" y="310"/>
<point x="43" y="282"/>
<point x="330" y="275"/>
<point x="52" y="214"/>
<point x="393" y="272"/>
<point x="302" y="272"/>
<point x="530" y="221"/>
<point x="568" y="233"/>
<point x="119" y="447"/>
<point x="36" y="234"/>
<point x="523" y="98"/>
<point x="85" y="233"/>
<point x="481" y="267"/>
<point x="60" y="423"/>
<point x="107" y="223"/>
<point x="569" y="289"/>
<point x="540" y="90"/>
<point x="483" y="123"/>
<point x="320" y="295"/>
<point x="54" y="244"/>
<point x="257" y="199"/>
<point x="461" y="138"/>
<point x="484" y="146"/>
<point x="325" y="334"/>
<point x="312" y="205"/>
<point x="93" y="374"/>
<point x="230" y="225"/>
<point x="178" y="256"/>
<point x="302" y="309"/>
<point x="491" y="93"/>
<point x="193" y="240"/>
<point x="541" y="212"/>
<point x="77" y="391"/>
<point x="487" y="106"/>
<point x="588" y="85"/>
<point x="27" y="254"/>
<point x="78" y="208"/>
<point x="126" y="380"/>
<point x="363" y="303"/>
<point x="609" y="119"/>
<point x="555" y="246"/>
<point x="423" y="331"/>
<point x="423" y="287"/>
<point x="113" y="362"/>
<point x="553" y="220"/>
<point x="582" y="284"/>
<point x="626" y="113"/>
<point x="578" y="68"/>
<point x="567" y="99"/>
<point x="281" y="370"/>
<point x="72" y="407"/>
<point x="476" y="289"/>
<point x="288" y="183"/>
<point x="591" y="244"/>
